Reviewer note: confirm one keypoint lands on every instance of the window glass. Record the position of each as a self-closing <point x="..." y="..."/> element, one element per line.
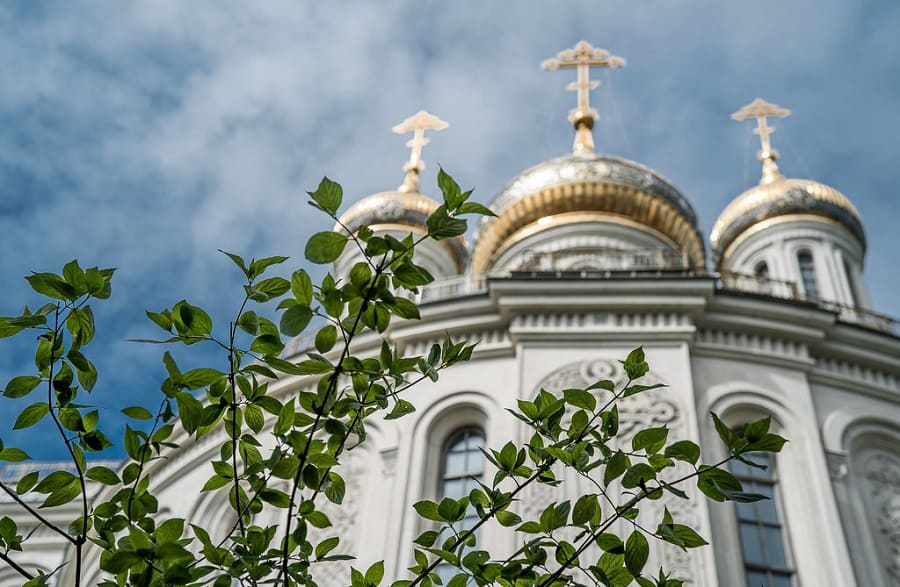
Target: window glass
<point x="462" y="467"/>
<point x="765" y="555"/>
<point x="808" y="275"/>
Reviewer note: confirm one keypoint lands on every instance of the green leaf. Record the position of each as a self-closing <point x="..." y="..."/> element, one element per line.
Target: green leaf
<point x="429" y="510"/>
<point x="137" y="412"/>
<point x="405" y="309"/>
<point x="441" y="225"/>
<point x="301" y="287"/>
<point x="255" y="418"/>
<point x="637" y="550"/>
<point x="409" y="275"/>
<point x="585" y="509"/>
<point x="295" y="319"/>
<point x="31" y="415"/>
<point x="27" y="482"/>
<point x="97" y="281"/>
<point x="273" y="286"/>
<point x="190" y="411"/>
<point x="238" y="260"/>
<point x="580" y="399"/>
<point x="713" y="481"/>
<point x="475" y="208"/>
<point x="508" y="518"/>
<point x="635" y="366"/>
<point x="616" y="465"/>
<point x="74" y="276"/>
<point x="610" y="543"/>
<point x="201" y="377"/>
<point x="249" y="322"/>
<point x="161" y="319"/>
<point x="13" y="455"/>
<point x="325" y="247"/>
<point x="650" y="439"/>
<point x="267" y="344"/>
<point x="7" y="329"/>
<point x="102" y="475"/>
<point x="328" y="196"/>
<point x="335" y="489"/>
<point x="51" y="285"/>
<point x="400" y="409"/>
<point x="637" y="475"/>
<point x="326" y="546"/>
<point x="63" y="495"/>
<point x="80" y="324"/>
<point x="326" y="338"/>
<point x="375" y="573"/>
<point x="285" y="418"/>
<point x="768" y="443"/>
<point x="55" y="481"/>
<point x="21" y="386"/>
<point x="728" y="436"/>
<point x="259" y="266"/>
<point x="755" y="431"/>
<point x="683" y="450"/>
<point x="450" y="191"/>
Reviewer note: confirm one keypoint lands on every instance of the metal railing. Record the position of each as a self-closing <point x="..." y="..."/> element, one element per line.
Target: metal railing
<point x="726" y="281"/>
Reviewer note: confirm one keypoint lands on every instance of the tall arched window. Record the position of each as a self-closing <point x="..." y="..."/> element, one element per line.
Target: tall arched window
<point x="763" y="548"/>
<point x="462" y="467"/>
<point x="808" y="275"/>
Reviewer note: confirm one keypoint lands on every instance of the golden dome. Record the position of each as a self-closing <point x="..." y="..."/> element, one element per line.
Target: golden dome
<point x="782" y="197"/>
<point x="589" y="188"/>
<point x="399" y="211"/>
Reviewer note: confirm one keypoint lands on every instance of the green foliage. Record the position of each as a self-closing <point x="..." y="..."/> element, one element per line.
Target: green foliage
<point x="278" y="453"/>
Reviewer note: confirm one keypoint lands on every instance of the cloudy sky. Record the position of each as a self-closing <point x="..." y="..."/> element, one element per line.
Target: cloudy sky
<point x="146" y="135"/>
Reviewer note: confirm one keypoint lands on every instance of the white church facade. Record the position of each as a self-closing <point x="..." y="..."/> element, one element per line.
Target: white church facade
<point x="588" y="257"/>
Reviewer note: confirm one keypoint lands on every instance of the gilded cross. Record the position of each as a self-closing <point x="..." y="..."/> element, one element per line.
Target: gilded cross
<point x="417" y="124"/>
<point x="583" y="56"/>
<point x="761" y="111"/>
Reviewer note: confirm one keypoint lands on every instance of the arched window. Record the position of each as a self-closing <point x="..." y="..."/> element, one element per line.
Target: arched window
<point x="765" y="554"/>
<point x="808" y="275"/>
<point x="761" y="272"/>
<point x="462" y="467"/>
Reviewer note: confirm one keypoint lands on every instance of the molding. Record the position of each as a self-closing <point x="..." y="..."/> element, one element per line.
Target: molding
<point x="752" y="347"/>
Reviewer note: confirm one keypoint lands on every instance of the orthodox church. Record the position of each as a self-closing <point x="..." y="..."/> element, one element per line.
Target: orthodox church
<point x="589" y="256"/>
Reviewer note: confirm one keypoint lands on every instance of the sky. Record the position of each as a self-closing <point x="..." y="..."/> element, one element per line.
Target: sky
<point x="146" y="135"/>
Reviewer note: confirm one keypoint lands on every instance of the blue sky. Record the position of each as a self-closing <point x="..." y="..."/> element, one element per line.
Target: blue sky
<point x="145" y="135"/>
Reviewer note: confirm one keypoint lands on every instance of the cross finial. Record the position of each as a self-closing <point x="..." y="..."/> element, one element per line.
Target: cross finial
<point x="417" y="124"/>
<point x="761" y="111"/>
<point x="582" y="57"/>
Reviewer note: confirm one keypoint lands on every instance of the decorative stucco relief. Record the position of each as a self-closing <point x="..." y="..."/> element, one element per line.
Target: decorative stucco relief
<point x="652" y="408"/>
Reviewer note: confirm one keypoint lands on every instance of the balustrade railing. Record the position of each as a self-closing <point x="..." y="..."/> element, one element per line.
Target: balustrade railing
<point x="727" y="281"/>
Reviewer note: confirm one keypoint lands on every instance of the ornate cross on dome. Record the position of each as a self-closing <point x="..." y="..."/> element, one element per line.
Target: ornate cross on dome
<point x="417" y="124"/>
<point x="761" y="111"/>
<point x="582" y="57"/>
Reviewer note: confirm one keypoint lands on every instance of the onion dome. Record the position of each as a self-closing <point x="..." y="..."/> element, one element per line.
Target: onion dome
<point x="405" y="209"/>
<point x="777" y="196"/>
<point x="589" y="189"/>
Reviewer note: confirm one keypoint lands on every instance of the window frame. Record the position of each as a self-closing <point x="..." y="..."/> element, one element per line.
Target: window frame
<point x="768" y="477"/>
<point x="811" y="289"/>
